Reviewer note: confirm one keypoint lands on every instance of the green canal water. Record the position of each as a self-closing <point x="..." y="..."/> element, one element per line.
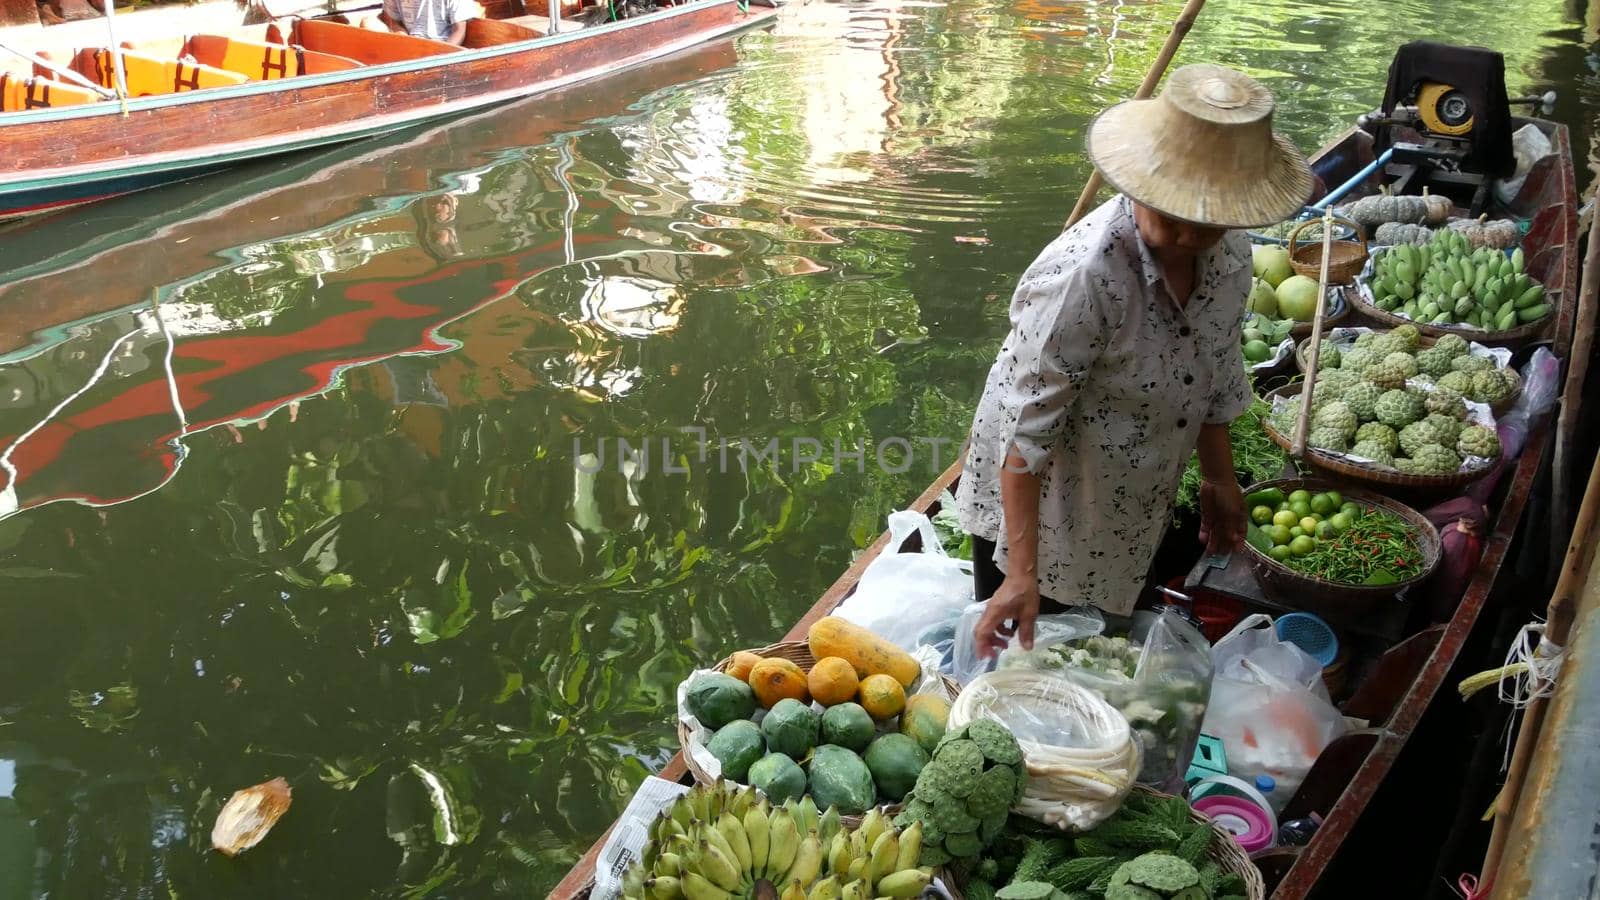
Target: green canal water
<point x="294" y="458"/>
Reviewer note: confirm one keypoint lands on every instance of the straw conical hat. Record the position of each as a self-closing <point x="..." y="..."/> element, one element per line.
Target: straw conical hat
<point x="1203" y="151"/>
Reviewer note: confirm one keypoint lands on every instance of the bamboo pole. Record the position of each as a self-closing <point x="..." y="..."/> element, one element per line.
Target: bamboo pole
<point x="1558" y="627"/>
<point x="116" y="53"/>
<point x="1572" y="390"/>
<point x="1180" y="28"/>
<point x="1303" y="424"/>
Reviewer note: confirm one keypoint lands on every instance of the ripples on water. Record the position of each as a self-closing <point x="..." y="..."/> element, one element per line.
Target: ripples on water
<point x="314" y="511"/>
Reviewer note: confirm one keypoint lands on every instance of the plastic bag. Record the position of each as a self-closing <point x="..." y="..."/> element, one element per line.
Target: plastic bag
<point x="1080" y="754"/>
<point x="1528" y="146"/>
<point x="1158" y="676"/>
<point x="901" y="595"/>
<point x="1269" y="707"/>
<point x="1048" y="631"/>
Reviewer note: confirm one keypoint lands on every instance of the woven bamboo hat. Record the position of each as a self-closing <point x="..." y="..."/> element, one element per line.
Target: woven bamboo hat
<point x="1203" y="151"/>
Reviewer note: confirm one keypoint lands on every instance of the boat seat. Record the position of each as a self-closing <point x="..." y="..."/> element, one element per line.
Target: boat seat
<point x="363" y="44"/>
<point x="489" y="32"/>
<point x="256" y="60"/>
<point x="18" y="93"/>
<point x="148" y="75"/>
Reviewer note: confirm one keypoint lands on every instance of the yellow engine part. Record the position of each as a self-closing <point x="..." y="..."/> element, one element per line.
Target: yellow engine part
<point x="1429" y="99"/>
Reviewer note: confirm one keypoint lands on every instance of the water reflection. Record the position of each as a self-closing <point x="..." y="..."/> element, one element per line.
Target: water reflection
<point x="324" y="519"/>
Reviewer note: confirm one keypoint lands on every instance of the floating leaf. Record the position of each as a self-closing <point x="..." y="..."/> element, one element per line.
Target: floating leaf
<point x="248" y="815"/>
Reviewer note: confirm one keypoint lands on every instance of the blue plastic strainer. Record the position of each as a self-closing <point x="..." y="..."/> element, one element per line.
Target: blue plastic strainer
<point x="1311" y="634"/>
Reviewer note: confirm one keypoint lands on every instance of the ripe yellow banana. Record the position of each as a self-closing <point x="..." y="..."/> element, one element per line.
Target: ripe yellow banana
<point x="664" y="887"/>
<point x="732" y="831"/>
<point x="716" y="866"/>
<point x="807" y="861"/>
<point x="872" y="825"/>
<point x="696" y="887"/>
<point x="858" y="868"/>
<point x="669" y="864"/>
<point x="908" y="883"/>
<point x="885" y="853"/>
<point x="793" y="892"/>
<point x="839" y="854"/>
<point x="783" y="842"/>
<point x="711" y="835"/>
<point x="910" y="848"/>
<point x="856" y="890"/>
<point x="755" y="832"/>
<point x="826" y="889"/>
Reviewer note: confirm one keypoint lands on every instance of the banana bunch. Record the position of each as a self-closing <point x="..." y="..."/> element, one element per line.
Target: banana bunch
<point x="721" y="842"/>
<point x="1442" y="282"/>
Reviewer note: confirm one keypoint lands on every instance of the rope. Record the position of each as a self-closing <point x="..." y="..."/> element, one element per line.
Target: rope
<point x="1530" y="671"/>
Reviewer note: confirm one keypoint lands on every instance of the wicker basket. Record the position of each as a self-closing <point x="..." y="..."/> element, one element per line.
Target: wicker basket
<point x="1334" y="311"/>
<point x="799" y="653"/>
<point x="1499" y="409"/>
<point x="1346" y="258"/>
<point x="1511" y="337"/>
<point x="1224" y="851"/>
<point x="1314" y="594"/>
<point x="1338" y="465"/>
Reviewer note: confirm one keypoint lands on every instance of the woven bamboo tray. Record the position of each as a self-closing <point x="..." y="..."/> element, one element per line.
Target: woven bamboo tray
<point x="1499" y="409"/>
<point x="1311" y="593"/>
<point x="1511" y="337"/>
<point x="1224" y="851"/>
<point x="1338" y="465"/>
<point x="799" y="653"/>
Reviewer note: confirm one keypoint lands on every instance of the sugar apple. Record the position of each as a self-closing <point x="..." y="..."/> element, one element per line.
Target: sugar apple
<point x="1409" y="336"/>
<point x="1433" y="361"/>
<point x="1419" y="434"/>
<point x="1469" y="363"/>
<point x="1446" y="402"/>
<point x="1374" y="451"/>
<point x="1331" y="439"/>
<point x="1398" y="408"/>
<point x="1476" y="440"/>
<point x="1490" y="386"/>
<point x="1448" y="427"/>
<point x="1385" y="344"/>
<point x="1362" y="397"/>
<point x="1329" y="357"/>
<point x="1403" y="361"/>
<point x="1460" y="382"/>
<point x="1407" y="466"/>
<point x="1453" y="345"/>
<point x="1385" y="374"/>
<point x="1337" y="416"/>
<point x="1365" y="339"/>
<point x="1286" y="417"/>
<point x="1356" y="359"/>
<point x="1380" y="434"/>
<point x="1432" y="459"/>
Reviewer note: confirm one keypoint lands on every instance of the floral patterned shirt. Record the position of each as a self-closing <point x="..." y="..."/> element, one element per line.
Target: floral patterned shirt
<point x="1102" y="387"/>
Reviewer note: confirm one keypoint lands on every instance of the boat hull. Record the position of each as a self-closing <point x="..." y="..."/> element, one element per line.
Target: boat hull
<point x="172" y="137"/>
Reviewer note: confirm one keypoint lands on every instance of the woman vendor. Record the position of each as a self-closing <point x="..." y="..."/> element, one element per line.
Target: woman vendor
<point x="1123" y="357"/>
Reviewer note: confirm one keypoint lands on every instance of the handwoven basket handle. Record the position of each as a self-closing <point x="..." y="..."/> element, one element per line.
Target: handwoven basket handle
<point x="1361" y="235"/>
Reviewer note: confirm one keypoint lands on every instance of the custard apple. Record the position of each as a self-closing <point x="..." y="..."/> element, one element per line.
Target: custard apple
<point x="1337" y="416"/>
<point x="1285" y="417"/>
<point x="1374" y="451"/>
<point x="1453" y="345"/>
<point x="1385" y="344"/>
<point x="1446" y="402"/>
<point x="1490" y="386"/>
<point x="1331" y="439"/>
<point x="1328" y="358"/>
<point x="1403" y="361"/>
<point x="1356" y="359"/>
<point x="1432" y="459"/>
<point x="1433" y="361"/>
<point x="1408" y="466"/>
<point x="1385" y="374"/>
<point x="1397" y="409"/>
<point x="1460" y="382"/>
<point x="1362" y="397"/>
<point x="1448" y="427"/>
<point x="1469" y="363"/>
<point x="1476" y="440"/>
<point x="1365" y="339"/>
<point x="1380" y="434"/>
<point x="1409" y="336"/>
<point x="1417" y="435"/>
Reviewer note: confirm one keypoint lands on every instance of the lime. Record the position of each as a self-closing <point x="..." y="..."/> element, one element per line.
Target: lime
<point x="1323" y="504"/>
<point x="1341" y="521"/>
<point x="1301" y="496"/>
<point x="1337" y="500"/>
<point x="1277" y="534"/>
<point x="1352" y="510"/>
<point x="1326" y="530"/>
<point x="1308" y="525"/>
<point x="1257" y="351"/>
<point x="1297" y="531"/>
<point x="1285" y="518"/>
<point x="1261" y="515"/>
<point x="1300" y="508"/>
<point x="1302" y="545"/>
<point x="1281" y="553"/>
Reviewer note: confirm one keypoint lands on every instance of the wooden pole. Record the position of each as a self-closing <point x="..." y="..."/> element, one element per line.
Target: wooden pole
<point x="1147" y="87"/>
<point x="1557" y="629"/>
<point x="116" y="53"/>
<point x="1303" y="424"/>
<point x="1572" y="390"/>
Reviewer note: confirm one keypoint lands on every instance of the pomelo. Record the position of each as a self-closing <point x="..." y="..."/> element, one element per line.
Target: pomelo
<point x="1262" y="299"/>
<point x="1270" y="262"/>
<point x="1297" y="298"/>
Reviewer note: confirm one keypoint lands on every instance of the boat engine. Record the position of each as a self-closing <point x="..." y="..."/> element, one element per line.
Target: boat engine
<point x="1447" y="117"/>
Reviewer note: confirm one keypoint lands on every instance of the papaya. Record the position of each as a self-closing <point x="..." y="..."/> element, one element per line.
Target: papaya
<point x="778" y="679"/>
<point x="841" y="779"/>
<point x="778" y="778"/>
<point x="924" y="720"/>
<point x="882" y="697"/>
<point x="741" y="663"/>
<point x="832" y="681"/>
<point x="895" y="761"/>
<point x="716" y="699"/>
<point x="847" y="725"/>
<point x="737" y="745"/>
<point x="867" y="653"/>
<point x="790" y="728"/>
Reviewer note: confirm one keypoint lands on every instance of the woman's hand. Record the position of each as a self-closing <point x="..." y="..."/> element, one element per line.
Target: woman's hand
<point x="1222" y="515"/>
<point x="1016" y="601"/>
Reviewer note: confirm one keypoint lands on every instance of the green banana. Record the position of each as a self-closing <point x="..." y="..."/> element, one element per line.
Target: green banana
<point x="717" y="867"/>
<point x="664" y="887"/>
<point x="697" y="887"/>
<point x="733" y="832"/>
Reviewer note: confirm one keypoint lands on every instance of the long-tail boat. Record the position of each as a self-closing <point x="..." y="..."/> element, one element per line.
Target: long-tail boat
<point x="1402" y="682"/>
<point x="85" y="123"/>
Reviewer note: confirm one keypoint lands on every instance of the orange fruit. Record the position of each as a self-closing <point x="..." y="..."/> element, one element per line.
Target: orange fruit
<point x="832" y="681"/>
<point x="778" y="679"/>
<point x="881" y="696"/>
<point x="741" y="664"/>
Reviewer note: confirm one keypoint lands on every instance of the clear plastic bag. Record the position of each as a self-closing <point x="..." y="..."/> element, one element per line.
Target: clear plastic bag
<point x="1158" y="676"/>
<point x="1048" y="631"/>
<point x="1269" y="707"/>
<point x="902" y="595"/>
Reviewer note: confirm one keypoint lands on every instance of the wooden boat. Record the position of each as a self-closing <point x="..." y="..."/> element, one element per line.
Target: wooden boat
<point x="199" y="103"/>
<point x="1403" y="681"/>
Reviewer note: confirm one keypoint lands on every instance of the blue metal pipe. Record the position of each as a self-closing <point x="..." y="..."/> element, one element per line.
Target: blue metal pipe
<point x="1335" y="195"/>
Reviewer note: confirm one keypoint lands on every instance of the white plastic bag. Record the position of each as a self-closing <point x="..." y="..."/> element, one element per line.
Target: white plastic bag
<point x="902" y="595"/>
<point x="1048" y="630"/>
<point x="1269" y="707"/>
